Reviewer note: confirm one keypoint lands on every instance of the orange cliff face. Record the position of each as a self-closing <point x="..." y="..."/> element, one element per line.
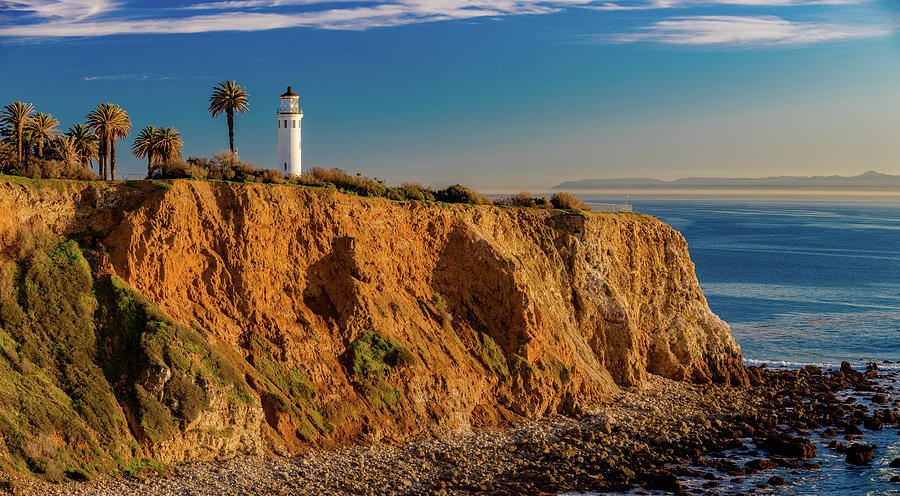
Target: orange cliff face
<point x="357" y="319"/>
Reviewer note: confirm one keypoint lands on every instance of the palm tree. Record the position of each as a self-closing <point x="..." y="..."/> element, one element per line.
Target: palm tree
<point x="98" y="122"/>
<point x="228" y="97"/>
<point x="67" y="150"/>
<point x="16" y="115"/>
<point x="109" y="122"/>
<point x="6" y="155"/>
<point x="28" y="142"/>
<point x="120" y="129"/>
<point x="144" y="146"/>
<point x="85" y="143"/>
<point x="168" y="143"/>
<point x="43" y="128"/>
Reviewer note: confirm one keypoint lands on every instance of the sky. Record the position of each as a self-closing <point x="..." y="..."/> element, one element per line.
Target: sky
<point x="497" y="94"/>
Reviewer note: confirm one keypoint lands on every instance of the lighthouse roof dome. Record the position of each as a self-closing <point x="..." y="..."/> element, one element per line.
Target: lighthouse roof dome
<point x="288" y="93"/>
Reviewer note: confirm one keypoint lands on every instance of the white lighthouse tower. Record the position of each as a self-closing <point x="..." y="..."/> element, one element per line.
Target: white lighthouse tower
<point x="289" y="116"/>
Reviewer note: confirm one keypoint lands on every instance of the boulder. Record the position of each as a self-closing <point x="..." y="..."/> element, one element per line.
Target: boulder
<point x="776" y="481"/>
<point x="859" y="454"/>
<point x="790" y="446"/>
<point x="873" y="424"/>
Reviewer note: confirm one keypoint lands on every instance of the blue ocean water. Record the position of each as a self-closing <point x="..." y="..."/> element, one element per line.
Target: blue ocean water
<point x="811" y="282"/>
<point x="799" y="282"/>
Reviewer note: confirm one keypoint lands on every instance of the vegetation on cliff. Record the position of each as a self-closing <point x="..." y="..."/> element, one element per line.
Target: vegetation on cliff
<point x="91" y="369"/>
<point x="372" y="357"/>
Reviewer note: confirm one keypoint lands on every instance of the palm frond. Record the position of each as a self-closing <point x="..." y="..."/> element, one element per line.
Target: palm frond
<point x="228" y="96"/>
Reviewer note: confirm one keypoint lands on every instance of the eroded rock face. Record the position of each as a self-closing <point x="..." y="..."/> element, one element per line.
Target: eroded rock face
<point x="500" y="312"/>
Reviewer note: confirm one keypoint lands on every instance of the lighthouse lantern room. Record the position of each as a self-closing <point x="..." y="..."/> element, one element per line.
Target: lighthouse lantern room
<point x="289" y="116"/>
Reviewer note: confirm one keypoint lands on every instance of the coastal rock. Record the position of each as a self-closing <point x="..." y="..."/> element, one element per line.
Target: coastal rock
<point x="853" y="430"/>
<point x="789" y="446"/>
<point x="357" y="319"/>
<point x="760" y="464"/>
<point x="776" y="480"/>
<point x="859" y="454"/>
<point x="664" y="481"/>
<point x="873" y="424"/>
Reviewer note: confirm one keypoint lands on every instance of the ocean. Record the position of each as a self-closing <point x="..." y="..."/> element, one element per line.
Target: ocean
<point x="802" y="282"/>
<point x="799" y="282"/>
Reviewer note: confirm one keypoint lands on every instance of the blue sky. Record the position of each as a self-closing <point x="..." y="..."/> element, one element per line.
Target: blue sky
<point x="499" y="94"/>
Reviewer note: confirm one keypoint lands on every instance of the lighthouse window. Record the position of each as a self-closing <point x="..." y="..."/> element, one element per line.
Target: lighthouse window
<point x="285" y="166"/>
<point x="279" y="124"/>
<point x="293" y="123"/>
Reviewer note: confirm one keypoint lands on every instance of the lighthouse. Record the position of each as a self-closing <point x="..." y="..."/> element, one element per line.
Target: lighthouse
<point x="289" y="116"/>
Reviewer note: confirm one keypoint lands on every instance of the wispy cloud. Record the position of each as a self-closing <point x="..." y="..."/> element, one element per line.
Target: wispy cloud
<point x="746" y="31"/>
<point x="66" y="9"/>
<point x="85" y="18"/>
<point x="682" y="4"/>
<point x="115" y="77"/>
<point x="346" y="18"/>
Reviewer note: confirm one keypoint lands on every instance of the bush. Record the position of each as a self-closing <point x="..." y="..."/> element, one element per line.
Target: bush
<point x="224" y="166"/>
<point x="567" y="201"/>
<point x="178" y="169"/>
<point x="358" y="184"/>
<point x="523" y="199"/>
<point x="415" y="191"/>
<point x="458" y="193"/>
<point x="37" y="168"/>
<point x="372" y="357"/>
<point x="270" y="176"/>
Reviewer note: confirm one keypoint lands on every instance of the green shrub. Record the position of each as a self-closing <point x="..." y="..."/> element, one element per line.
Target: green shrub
<point x="458" y="193"/>
<point x="358" y="184"/>
<point x="491" y="354"/>
<point x="371" y="358"/>
<point x="523" y="199"/>
<point x="372" y="354"/>
<point x="568" y="201"/>
<point x="415" y="191"/>
<point x="177" y="168"/>
<point x="155" y="418"/>
<point x="39" y="168"/>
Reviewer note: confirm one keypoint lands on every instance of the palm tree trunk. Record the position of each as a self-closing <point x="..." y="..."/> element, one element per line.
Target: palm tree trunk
<point x="101" y="156"/>
<point x="149" y="165"/>
<point x="19" y="130"/>
<point x="112" y="159"/>
<point x="230" y="129"/>
<point x="106" y="160"/>
<point x="41" y="147"/>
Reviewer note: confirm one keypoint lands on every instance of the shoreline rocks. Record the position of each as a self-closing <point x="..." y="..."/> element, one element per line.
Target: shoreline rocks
<point x="669" y="436"/>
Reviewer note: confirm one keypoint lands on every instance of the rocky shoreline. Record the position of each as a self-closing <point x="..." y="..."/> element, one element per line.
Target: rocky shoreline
<point x="670" y="436"/>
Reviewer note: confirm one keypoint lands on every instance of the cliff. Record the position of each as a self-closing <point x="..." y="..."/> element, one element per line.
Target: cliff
<point x="219" y="318"/>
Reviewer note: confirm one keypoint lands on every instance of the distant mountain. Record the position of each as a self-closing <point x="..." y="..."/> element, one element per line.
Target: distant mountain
<point x="870" y="180"/>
